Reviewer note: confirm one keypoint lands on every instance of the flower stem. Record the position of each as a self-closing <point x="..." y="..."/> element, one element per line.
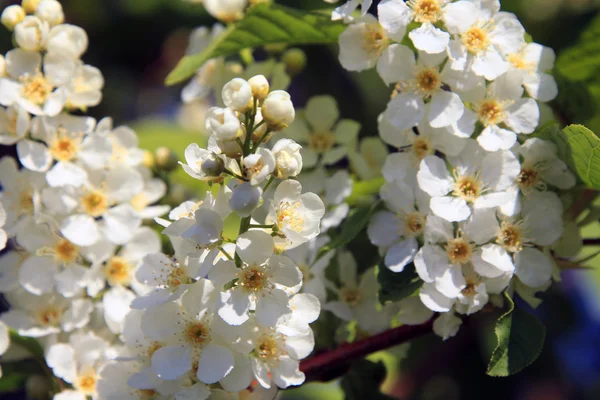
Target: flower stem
<point x="225" y="253"/>
<point x="333" y="364"/>
<point x="271" y="179"/>
<point x="271" y="226"/>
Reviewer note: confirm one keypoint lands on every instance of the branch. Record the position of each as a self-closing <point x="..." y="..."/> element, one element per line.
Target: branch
<point x="332" y="364"/>
<point x="591" y="242"/>
<point x="583" y="202"/>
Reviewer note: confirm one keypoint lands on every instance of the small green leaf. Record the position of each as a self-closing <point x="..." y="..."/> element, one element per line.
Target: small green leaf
<point x="396" y="286"/>
<point x="364" y="381"/>
<point x="263" y="24"/>
<point x="520" y="341"/>
<point x="28" y="343"/>
<point x="363" y="189"/>
<point x="351" y="227"/>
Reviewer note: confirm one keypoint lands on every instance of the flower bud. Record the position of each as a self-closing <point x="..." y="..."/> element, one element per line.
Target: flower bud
<point x="2" y="66"/>
<point x="294" y="60"/>
<point x="226" y="10"/>
<point x="30" y="33"/>
<point x="278" y="110"/>
<point x="213" y="165"/>
<point x="223" y="123"/>
<point x="11" y="16"/>
<point x="237" y="95"/>
<point x="245" y="198"/>
<point x="287" y="158"/>
<point x="260" y="86"/>
<point x="68" y="39"/>
<point x="30" y="5"/>
<point x="50" y="11"/>
<point x="148" y="159"/>
<point x="166" y="159"/>
<point x="260" y="131"/>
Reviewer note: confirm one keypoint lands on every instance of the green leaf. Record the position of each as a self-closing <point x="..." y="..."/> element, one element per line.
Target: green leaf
<point x="364" y="381"/>
<point x="520" y="341"/>
<point x="364" y="189"/>
<point x="576" y="101"/>
<point x="263" y="24"/>
<point x="396" y="286"/>
<point x="15" y="374"/>
<point x="351" y="227"/>
<point x="28" y="343"/>
<point x="582" y="60"/>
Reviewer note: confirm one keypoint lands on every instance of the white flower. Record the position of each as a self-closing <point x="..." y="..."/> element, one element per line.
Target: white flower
<point x="202" y="164"/>
<point x="226" y="10"/>
<point x="395" y="15"/>
<point x="190" y="333"/>
<point x="31" y="33"/>
<point x="203" y="231"/>
<point x="31" y="89"/>
<point x="84" y="90"/>
<point x="362" y="43"/>
<point x="260" y="86"/>
<point x="4" y="340"/>
<point x="38" y="316"/>
<point x="541" y="166"/>
<point x="260" y="284"/>
<point x="287" y="158"/>
<point x="154" y="190"/>
<point x="11" y="16"/>
<point x="324" y="138"/>
<point x="67" y="40"/>
<point x="502" y="105"/>
<point x="419" y="80"/>
<point x="245" y="198"/>
<point x="447" y="325"/>
<point x="14" y="124"/>
<point x="223" y="123"/>
<point x="368" y="161"/>
<point x="358" y="299"/>
<point x="79" y="362"/>
<point x="344" y="12"/>
<point x="313" y="270"/>
<point x="478" y="181"/>
<point x="297" y="215"/>
<point x="237" y="95"/>
<point x="413" y="311"/>
<point x="278" y="110"/>
<point x="50" y="11"/>
<point x="3" y="236"/>
<point x="258" y="166"/>
<point x="482" y="37"/>
<point x="531" y="64"/>
<point x="397" y="232"/>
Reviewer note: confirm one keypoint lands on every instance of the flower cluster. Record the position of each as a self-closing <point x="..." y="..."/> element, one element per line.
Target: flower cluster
<point x="471" y="201"/>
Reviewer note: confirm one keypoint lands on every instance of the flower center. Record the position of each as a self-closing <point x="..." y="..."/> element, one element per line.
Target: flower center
<point x="351" y="296"/>
<point x="154" y="346"/>
<point x="253" y="278"/>
<point x="528" y="179"/>
<point x="140" y="201"/>
<point x="459" y="251"/>
<point x="288" y="214"/>
<point x="26" y="201"/>
<point x="118" y="271"/>
<point x="178" y="276"/>
<point x="49" y="316"/>
<point x="87" y="383"/>
<point x="95" y="203"/>
<point x="421" y="148"/>
<point x="306" y="272"/>
<point x="266" y="347"/>
<point x="476" y="39"/>
<point x="490" y="112"/>
<point x="518" y="61"/>
<point x="321" y="142"/>
<point x="426" y="10"/>
<point x="11" y="126"/>
<point x="468" y="188"/>
<point x="64" y="148"/>
<point x="510" y="237"/>
<point x="428" y="81"/>
<point x="36" y="88"/>
<point x="197" y="333"/>
<point x="414" y="224"/>
<point x="374" y="39"/>
<point x="65" y="251"/>
<point x="469" y="290"/>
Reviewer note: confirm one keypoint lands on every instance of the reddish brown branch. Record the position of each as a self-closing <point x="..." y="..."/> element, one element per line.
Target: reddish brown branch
<point x="332" y="364"/>
<point x="591" y="242"/>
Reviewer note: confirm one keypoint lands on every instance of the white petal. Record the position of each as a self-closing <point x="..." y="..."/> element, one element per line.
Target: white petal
<point x="235" y="306"/>
<point x="36" y="274"/>
<point x="215" y="363"/>
<point x="61" y="358"/>
<point x="429" y="39"/>
<point x="171" y="362"/>
<point x="405" y="110"/>
<point x="396" y="63"/>
<point x="434" y="300"/>
<point x="66" y="174"/>
<point x="34" y="155"/>
<point x="533" y="267"/>
<point x="445" y="109"/>
<point x="490" y="65"/>
<point x="401" y="254"/>
<point x="81" y="230"/>
<point x="494" y="138"/>
<point x="339" y="309"/>
<point x="450" y="208"/>
<point x="523" y="116"/>
<point x="433" y="176"/>
<point x="255" y="247"/>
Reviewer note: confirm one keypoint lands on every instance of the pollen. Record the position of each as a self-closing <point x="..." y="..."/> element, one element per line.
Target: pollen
<point x="288" y="214"/>
<point x="351" y="296"/>
<point x="422" y="148"/>
<point x="266" y="347"/>
<point x="140" y="201"/>
<point x="11" y="126"/>
<point x="63" y="147"/>
<point x="490" y="112"/>
<point x="49" y="316"/>
<point x="177" y="276"/>
<point x="321" y="142"/>
<point x="65" y="251"/>
<point x="36" y="88"/>
<point x="197" y="333"/>
<point x="510" y="237"/>
<point x="87" y="383"/>
<point x="154" y="346"/>
<point x="469" y="290"/>
<point x="476" y="39"/>
<point x="426" y="10"/>
<point x="468" y="188"/>
<point x="253" y="278"/>
<point x="414" y="224"/>
<point x="118" y="271"/>
<point x="518" y="61"/>
<point x="528" y="179"/>
<point x="428" y="81"/>
<point x="26" y="201"/>
<point x="459" y="251"/>
<point x="95" y="203"/>
<point x="374" y="39"/>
